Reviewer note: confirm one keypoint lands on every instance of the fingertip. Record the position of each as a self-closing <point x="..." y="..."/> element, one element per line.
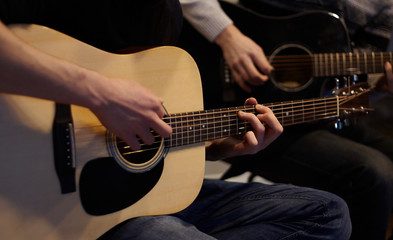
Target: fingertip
<point x="388" y="66"/>
<point x="251" y="101"/>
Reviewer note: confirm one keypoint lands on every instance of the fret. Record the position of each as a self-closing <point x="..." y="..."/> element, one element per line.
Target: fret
<point x="228" y="123"/>
<point x="303" y="109"/>
<point x="321" y="64"/>
<point x="170" y="137"/>
<point x="214" y="125"/>
<point x="282" y="114"/>
<point x="244" y="123"/>
<point x="313" y="101"/>
<point x="204" y="127"/>
<point x="365" y="62"/>
<point x="382" y="61"/>
<point x="182" y="131"/>
<point x="338" y="63"/>
<point x="315" y="68"/>
<point x="344" y="64"/>
<point x="192" y="128"/>
<point x="237" y="122"/>
<point x="373" y="59"/>
<point x="175" y="131"/>
<point x="358" y="62"/>
<point x="326" y="64"/>
<point x="350" y="61"/>
<point x="221" y="122"/>
<point x="200" y="126"/>
<point x="187" y="130"/>
<point x="331" y="64"/>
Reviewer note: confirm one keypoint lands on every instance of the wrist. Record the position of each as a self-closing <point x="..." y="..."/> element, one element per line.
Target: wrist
<point x="227" y="35"/>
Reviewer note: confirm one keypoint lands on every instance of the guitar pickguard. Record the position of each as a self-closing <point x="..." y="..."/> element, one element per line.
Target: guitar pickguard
<point x="105" y="187"/>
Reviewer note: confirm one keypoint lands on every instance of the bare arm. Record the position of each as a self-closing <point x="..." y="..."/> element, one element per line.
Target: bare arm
<point x="124" y="107"/>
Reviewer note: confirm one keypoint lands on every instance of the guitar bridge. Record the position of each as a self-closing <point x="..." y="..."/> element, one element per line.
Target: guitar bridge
<point x="63" y="146"/>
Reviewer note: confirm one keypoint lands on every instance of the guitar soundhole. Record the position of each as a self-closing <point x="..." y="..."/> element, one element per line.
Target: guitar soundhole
<point x="293" y="67"/>
<point x="137" y="161"/>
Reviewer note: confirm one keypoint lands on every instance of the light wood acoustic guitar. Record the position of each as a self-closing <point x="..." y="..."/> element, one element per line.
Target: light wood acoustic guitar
<point x="64" y="176"/>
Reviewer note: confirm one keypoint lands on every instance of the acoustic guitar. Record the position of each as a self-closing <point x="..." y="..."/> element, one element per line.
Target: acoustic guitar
<point x="307" y="50"/>
<point x="64" y="176"/>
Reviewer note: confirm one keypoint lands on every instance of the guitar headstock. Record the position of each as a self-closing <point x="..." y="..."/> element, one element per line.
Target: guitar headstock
<point x="353" y="100"/>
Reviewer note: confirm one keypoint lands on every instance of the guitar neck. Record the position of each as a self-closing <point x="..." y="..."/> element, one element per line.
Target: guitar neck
<point x="337" y="64"/>
<point x="200" y="126"/>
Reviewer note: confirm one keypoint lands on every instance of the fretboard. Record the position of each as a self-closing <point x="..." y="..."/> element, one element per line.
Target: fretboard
<point x="200" y="126"/>
<point x="337" y="64"/>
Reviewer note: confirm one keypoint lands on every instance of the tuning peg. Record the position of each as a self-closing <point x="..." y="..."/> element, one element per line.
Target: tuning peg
<point x="338" y="125"/>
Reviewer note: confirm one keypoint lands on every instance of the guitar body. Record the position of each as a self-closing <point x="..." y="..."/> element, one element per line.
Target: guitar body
<point x="304" y="33"/>
<point x="31" y="203"/>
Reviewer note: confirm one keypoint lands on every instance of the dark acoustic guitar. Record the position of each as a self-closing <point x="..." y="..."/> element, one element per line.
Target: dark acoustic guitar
<point x="307" y="51"/>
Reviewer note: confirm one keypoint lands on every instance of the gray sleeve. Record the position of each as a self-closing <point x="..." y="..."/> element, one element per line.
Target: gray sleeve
<point x="206" y="16"/>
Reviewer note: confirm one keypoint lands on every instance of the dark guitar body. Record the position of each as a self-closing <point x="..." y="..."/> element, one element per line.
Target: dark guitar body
<point x="312" y="31"/>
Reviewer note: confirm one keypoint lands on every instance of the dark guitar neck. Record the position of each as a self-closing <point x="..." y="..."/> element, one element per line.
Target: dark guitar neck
<point x="336" y="64"/>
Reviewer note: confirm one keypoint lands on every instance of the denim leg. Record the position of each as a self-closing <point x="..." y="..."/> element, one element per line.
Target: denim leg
<point x="155" y="228"/>
<point x="361" y="175"/>
<point x="228" y="210"/>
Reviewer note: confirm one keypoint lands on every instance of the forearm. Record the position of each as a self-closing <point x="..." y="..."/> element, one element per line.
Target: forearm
<point x="27" y="71"/>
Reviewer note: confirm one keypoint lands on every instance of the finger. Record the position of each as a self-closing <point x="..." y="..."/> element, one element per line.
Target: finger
<point x="242" y="84"/>
<point x="388" y="71"/>
<point x="251" y="101"/>
<point x="238" y="69"/>
<point x="146" y="136"/>
<point x="256" y="124"/>
<point x="251" y="139"/>
<point x="254" y="76"/>
<point x="133" y="142"/>
<point x="161" y="127"/>
<point x="263" y="63"/>
<point x="267" y="116"/>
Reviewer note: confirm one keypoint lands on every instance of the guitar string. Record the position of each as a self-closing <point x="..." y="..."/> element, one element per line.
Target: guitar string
<point x="306" y="116"/>
<point x="319" y="116"/>
<point x="322" y="56"/>
<point x="331" y="60"/>
<point x="205" y="135"/>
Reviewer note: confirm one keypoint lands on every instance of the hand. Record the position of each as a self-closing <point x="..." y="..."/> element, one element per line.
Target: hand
<point x="124" y="107"/>
<point x="385" y="83"/>
<point x="266" y="128"/>
<point x="245" y="58"/>
<point x="130" y="110"/>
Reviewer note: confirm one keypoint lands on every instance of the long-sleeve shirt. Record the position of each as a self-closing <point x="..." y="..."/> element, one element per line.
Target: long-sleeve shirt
<point x="206" y="16"/>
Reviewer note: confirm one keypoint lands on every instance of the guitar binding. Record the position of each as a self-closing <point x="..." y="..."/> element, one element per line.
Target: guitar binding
<point x="295" y="78"/>
<point x="139" y="161"/>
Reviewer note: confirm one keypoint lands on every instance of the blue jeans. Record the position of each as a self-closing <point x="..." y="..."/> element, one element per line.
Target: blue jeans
<point x="228" y="210"/>
<point x="357" y="167"/>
